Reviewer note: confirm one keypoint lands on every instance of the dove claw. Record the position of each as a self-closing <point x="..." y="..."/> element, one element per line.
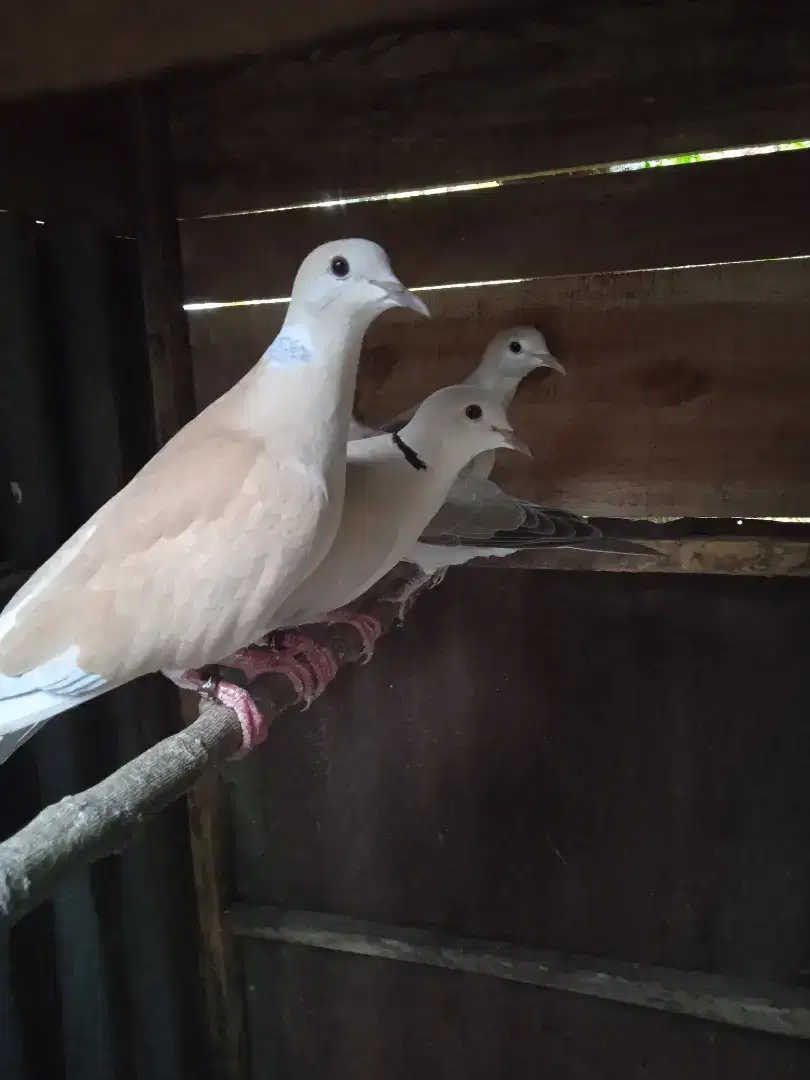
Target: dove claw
<point x="309" y="667"/>
<point x="438" y="577"/>
<point x="250" y="717"/>
<point x="255" y="661"/>
<point x="404" y="599"/>
<point x="367" y="626"/>
<point x="319" y="658"/>
<point x="248" y="713"/>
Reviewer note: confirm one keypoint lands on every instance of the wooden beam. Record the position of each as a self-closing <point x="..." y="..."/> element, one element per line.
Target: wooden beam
<point x="219" y="968"/>
<point x="538" y="87"/>
<point x="749" y="558"/>
<point x="683" y="546"/>
<point x="684" y="395"/>
<point x="49" y="45"/>
<point x="778" y="1010"/>
<point x="712" y="529"/>
<point x="568" y="225"/>
<point x="161" y="261"/>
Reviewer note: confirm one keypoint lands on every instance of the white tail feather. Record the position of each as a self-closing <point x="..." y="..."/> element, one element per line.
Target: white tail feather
<point x="23" y="715"/>
<point x="17" y="686"/>
<point x="10" y="743"/>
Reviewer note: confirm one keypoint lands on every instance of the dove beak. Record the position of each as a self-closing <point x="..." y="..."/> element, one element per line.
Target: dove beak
<point x="512" y="442"/>
<point x="396" y="295"/>
<point x="546" y="360"/>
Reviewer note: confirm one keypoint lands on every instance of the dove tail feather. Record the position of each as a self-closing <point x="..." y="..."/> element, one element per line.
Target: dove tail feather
<point x="12" y="742"/>
<point x="608" y="546"/>
<point x="542" y="528"/>
<point x="15" y="686"/>
<point x="22" y="715"/>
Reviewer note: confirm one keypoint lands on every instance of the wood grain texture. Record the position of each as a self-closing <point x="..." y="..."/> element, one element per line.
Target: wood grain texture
<point x="49" y="45"/>
<point x="218" y="965"/>
<point x="161" y="264"/>
<point x="685" y="395"/>
<point x="538" y="87"/>
<point x="747" y="558"/>
<point x="714" y="212"/>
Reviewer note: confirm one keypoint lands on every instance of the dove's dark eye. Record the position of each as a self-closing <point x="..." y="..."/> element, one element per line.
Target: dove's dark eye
<point x="515" y="347"/>
<point x="339" y="266"/>
<point x="473" y="412"/>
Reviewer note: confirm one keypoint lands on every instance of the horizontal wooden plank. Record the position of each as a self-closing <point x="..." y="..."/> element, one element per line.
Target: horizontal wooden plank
<point x="541" y="86"/>
<point x="686" y="392"/>
<point x="49" y="45"/>
<point x="749" y="208"/>
<point x="779" y="1010"/>
<point x="738" y="558"/>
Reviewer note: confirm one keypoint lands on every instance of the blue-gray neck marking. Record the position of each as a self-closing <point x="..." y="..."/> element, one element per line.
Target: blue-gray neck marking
<point x="289" y="349"/>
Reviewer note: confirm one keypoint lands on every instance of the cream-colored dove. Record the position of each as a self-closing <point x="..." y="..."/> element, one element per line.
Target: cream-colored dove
<point x="191" y="559"/>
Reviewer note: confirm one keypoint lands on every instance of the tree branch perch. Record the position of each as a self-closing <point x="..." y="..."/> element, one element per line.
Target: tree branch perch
<point x="82" y="828"/>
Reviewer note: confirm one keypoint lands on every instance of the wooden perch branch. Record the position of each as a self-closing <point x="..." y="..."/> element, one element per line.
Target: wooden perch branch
<point x="83" y="828"/>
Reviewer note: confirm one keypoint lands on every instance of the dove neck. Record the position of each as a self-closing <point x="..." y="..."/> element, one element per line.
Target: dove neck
<point x="432" y="458"/>
<point x="487" y="377"/>
<point x="313" y="367"/>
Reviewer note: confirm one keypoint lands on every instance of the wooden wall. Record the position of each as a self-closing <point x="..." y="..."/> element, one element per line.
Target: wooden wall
<point x="612" y="765"/>
<point x="686" y="387"/>
<point x="48" y="45"/>
<point x="605" y="766"/>
<point x="540" y="86"/>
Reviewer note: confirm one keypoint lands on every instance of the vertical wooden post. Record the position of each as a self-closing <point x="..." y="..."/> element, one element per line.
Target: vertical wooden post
<point x="174" y="405"/>
<point x="161" y="261"/>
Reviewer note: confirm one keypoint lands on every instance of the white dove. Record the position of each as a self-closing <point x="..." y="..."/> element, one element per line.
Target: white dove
<point x="186" y="564"/>
<point x="395" y="483"/>
<point x="478" y="519"/>
<point x="509" y="357"/>
<point x="394" y="486"/>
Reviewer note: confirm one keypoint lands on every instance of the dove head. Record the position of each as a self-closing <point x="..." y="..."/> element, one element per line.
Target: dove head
<point x="349" y="281"/>
<point x="512" y="354"/>
<point x="457" y="424"/>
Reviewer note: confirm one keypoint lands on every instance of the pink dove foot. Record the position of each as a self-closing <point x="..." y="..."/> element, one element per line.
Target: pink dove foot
<point x="308" y="666"/>
<point x="275" y="661"/>
<point x="320" y="659"/>
<point x="251" y="720"/>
